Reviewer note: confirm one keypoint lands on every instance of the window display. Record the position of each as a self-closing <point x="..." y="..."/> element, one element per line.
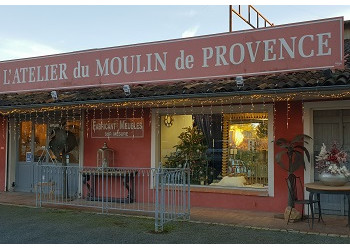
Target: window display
<point x="228" y="150"/>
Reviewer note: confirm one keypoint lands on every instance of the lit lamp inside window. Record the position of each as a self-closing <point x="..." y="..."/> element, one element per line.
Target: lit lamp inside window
<point x="237" y="138"/>
<point x="168" y="120"/>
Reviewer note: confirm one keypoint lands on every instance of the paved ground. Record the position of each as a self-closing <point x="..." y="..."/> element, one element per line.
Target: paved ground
<point x="335" y="226"/>
<point x="45" y="225"/>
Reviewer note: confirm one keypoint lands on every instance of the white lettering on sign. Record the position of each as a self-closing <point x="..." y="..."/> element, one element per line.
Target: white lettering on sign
<point x="131" y="64"/>
<point x="273" y="49"/>
<point x="117" y="128"/>
<point x="47" y="73"/>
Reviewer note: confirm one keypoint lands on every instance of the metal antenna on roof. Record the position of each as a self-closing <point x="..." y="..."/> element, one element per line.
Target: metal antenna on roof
<point x="259" y="17"/>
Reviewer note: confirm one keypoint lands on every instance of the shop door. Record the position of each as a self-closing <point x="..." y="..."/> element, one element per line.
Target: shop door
<point x="332" y="126"/>
<point x="32" y="142"/>
<point x="32" y="147"/>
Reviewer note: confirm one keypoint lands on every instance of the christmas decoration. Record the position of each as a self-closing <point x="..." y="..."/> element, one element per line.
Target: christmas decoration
<point x="191" y="152"/>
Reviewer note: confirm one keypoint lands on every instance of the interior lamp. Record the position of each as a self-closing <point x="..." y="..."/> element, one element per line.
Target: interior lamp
<point x="238" y="137"/>
<point x="168" y="120"/>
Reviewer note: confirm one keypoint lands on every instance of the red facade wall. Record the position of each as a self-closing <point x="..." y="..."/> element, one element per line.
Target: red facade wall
<point x="137" y="153"/>
<point x="3" y="126"/>
<point x="273" y="204"/>
<point x="295" y="127"/>
<point x="129" y="152"/>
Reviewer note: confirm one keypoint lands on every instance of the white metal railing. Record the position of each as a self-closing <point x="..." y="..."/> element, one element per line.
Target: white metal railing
<point x="164" y="192"/>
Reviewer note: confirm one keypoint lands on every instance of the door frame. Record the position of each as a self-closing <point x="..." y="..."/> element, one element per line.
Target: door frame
<point x="13" y="142"/>
<point x="309" y="107"/>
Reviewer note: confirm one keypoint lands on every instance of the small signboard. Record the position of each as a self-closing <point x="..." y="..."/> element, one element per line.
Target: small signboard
<point x="28" y="156"/>
<point x="117" y="128"/>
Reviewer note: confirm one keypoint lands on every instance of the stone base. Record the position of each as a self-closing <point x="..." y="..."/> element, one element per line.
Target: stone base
<point x="294" y="216"/>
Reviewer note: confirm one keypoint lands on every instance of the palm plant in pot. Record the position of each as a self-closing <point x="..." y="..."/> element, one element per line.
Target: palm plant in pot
<point x="294" y="151"/>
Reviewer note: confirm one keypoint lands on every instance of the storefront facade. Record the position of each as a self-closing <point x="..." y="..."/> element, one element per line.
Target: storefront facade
<point x="227" y="128"/>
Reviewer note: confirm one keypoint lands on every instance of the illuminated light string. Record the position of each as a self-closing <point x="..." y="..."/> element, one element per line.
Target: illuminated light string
<point x="87" y="122"/>
<point x="288" y="108"/>
<point x="80" y="116"/>
<point x="158" y="123"/>
<point x="184" y="102"/>
<point x="274" y="119"/>
<point x="3" y="126"/>
<point x="133" y="117"/>
<point x="149" y="118"/>
<point x="174" y="107"/>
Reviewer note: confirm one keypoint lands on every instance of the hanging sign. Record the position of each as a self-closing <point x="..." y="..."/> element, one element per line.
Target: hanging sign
<point x="117" y="128"/>
<point x="300" y="46"/>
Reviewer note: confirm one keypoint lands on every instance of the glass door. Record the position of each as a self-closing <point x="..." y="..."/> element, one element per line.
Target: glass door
<point x="24" y="167"/>
<point x="33" y="147"/>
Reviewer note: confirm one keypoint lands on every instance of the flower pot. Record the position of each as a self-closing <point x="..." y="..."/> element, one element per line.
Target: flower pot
<point x="333" y="179"/>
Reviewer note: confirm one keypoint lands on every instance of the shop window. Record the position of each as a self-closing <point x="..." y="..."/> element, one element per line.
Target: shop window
<point x="40" y="135"/>
<point x="228" y="150"/>
<point x="33" y="150"/>
<point x="25" y="141"/>
<point x="72" y="126"/>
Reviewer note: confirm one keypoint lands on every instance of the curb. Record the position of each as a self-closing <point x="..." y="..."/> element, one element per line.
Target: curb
<point x="271" y="229"/>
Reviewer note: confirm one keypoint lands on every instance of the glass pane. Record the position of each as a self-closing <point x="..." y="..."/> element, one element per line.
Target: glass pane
<point x="74" y="127"/>
<point x="25" y="139"/>
<point x="171" y="127"/>
<point x="40" y="141"/>
<point x="248" y="146"/>
<point x="70" y="135"/>
<point x="228" y="150"/>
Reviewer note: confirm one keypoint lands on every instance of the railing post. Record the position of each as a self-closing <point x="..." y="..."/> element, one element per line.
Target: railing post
<point x="188" y="170"/>
<point x="102" y="199"/>
<point x="162" y="198"/>
<point x="156" y="222"/>
<point x="38" y="187"/>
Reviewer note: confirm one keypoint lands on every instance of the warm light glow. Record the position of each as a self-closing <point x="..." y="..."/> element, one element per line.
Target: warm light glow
<point x="238" y="137"/>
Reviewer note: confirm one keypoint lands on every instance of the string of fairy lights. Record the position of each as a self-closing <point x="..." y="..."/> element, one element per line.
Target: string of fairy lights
<point x="133" y="109"/>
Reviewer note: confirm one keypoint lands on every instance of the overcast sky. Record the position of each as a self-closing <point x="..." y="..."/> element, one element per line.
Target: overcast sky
<point x="28" y="31"/>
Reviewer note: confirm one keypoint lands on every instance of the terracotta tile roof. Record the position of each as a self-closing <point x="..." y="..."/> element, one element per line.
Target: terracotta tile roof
<point x="279" y="81"/>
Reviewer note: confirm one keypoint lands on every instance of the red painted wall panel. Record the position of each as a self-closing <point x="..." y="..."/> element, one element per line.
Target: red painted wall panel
<point x="128" y="152"/>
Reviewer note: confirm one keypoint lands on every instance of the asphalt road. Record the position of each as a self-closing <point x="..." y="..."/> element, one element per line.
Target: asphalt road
<point x="54" y="226"/>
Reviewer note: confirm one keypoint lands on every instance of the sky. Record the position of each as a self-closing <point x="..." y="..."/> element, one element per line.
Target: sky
<point x="35" y="30"/>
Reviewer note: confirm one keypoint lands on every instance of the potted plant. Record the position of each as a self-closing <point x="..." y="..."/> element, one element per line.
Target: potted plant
<point x="330" y="165"/>
<point x="294" y="151"/>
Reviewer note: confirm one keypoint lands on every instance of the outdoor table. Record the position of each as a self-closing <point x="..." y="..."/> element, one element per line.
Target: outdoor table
<point x="319" y="188"/>
<point x="128" y="178"/>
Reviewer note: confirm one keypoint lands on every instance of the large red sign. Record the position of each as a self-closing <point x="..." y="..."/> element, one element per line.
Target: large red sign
<point x="299" y="46"/>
